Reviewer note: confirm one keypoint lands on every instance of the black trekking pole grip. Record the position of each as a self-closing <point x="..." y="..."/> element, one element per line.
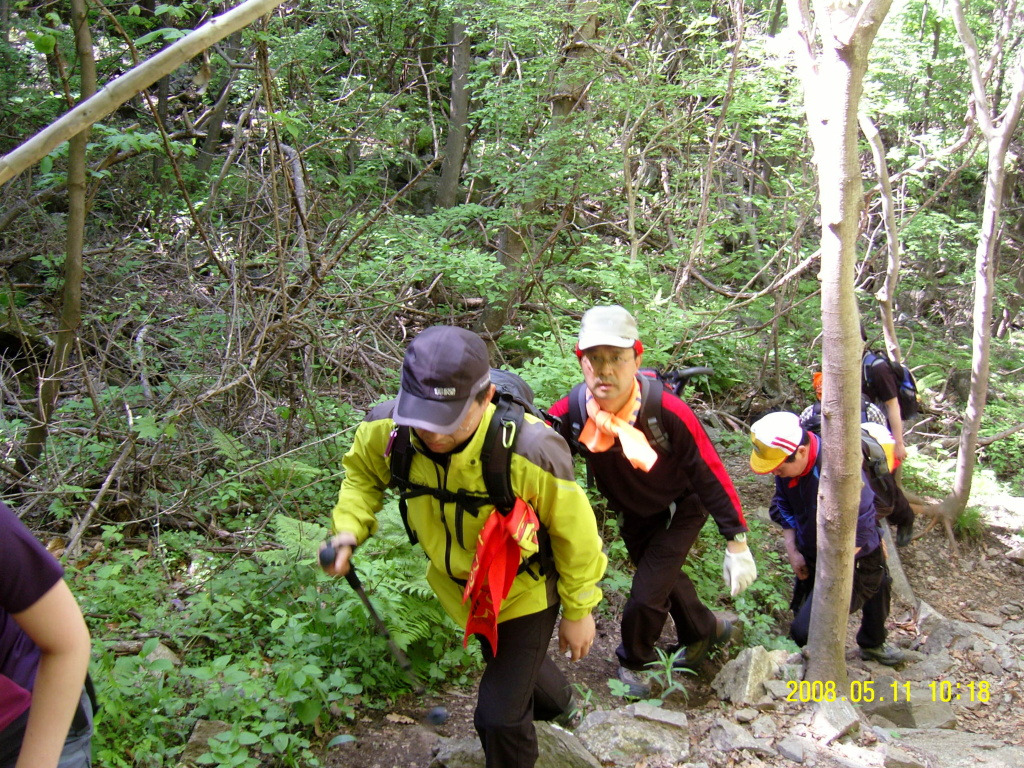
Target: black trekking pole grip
<point x="327" y="555"/>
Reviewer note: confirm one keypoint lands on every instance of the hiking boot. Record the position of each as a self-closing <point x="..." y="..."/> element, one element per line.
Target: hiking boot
<point x="725" y="632"/>
<point x="905" y="533"/>
<point x="886" y="654"/>
<point x="637" y="682"/>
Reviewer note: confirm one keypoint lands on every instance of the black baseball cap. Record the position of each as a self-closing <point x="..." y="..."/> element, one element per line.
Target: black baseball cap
<point x="444" y="369"/>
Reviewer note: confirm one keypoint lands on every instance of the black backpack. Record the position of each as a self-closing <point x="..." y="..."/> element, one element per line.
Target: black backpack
<point x="648" y="420"/>
<point x="513" y="398"/>
<point x="675" y="381"/>
<point x="880" y="479"/>
<point x="873" y="462"/>
<point x="906" y="385"/>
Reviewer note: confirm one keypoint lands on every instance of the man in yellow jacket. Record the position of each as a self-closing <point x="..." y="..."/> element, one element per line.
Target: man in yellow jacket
<point x="445" y="402"/>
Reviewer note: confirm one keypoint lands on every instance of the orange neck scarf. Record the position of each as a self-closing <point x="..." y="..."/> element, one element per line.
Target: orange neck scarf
<point x="604" y="427"/>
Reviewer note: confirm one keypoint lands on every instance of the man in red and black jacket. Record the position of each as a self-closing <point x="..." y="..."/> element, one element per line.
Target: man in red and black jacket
<point x="663" y="486"/>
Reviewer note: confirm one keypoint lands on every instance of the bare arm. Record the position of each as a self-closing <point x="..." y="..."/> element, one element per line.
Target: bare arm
<point x="892" y="410"/>
<point x="55" y="624"/>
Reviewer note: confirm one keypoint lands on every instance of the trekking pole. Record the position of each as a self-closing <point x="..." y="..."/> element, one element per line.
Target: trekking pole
<point x="434" y="716"/>
<point x="327" y="555"/>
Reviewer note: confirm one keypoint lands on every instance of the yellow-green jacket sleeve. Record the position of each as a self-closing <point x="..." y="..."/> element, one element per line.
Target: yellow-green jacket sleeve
<point x="367" y="474"/>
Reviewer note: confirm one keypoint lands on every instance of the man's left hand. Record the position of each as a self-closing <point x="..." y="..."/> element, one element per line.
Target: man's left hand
<point x="739" y="569"/>
<point x="576" y="636"/>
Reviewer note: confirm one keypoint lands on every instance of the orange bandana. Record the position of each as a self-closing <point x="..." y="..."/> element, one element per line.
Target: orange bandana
<point x="603" y="427"/>
<point x="504" y="542"/>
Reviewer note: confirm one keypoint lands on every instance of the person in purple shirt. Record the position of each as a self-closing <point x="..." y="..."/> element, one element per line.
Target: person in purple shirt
<point x="45" y="713"/>
<point x="793" y="455"/>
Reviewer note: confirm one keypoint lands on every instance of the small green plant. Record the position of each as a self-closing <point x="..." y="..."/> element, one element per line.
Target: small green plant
<point x="584" y="696"/>
<point x="970" y="524"/>
<point x="663" y="673"/>
<point x="619" y="688"/>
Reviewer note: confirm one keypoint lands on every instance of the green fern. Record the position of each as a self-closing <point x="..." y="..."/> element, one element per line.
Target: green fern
<point x="229" y="446"/>
<point x="296" y="537"/>
<point x="286" y="472"/>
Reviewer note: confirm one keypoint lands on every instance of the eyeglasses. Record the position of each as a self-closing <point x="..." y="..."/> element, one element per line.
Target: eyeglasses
<point x="614" y="360"/>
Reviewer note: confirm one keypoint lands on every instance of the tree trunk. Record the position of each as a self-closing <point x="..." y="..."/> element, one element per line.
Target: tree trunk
<point x="998" y="131"/>
<point x="887" y="292"/>
<point x="455" y="145"/>
<point x="832" y="58"/>
<point x="71" y="304"/>
<point x="163" y="93"/>
<point x="215" y="125"/>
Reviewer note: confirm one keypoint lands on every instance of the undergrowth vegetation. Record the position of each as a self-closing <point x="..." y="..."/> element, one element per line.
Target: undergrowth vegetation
<point x="258" y="638"/>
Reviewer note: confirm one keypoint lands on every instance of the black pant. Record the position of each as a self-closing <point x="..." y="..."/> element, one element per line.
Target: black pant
<point x="901" y="512"/>
<point x="658" y="547"/>
<point x="519" y="685"/>
<point x="871" y="595"/>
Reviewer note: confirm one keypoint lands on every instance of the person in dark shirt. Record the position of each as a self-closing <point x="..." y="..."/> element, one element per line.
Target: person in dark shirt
<point x="810" y="417"/>
<point x="781" y="447"/>
<point x="900" y="512"/>
<point x="45" y="713"/>
<point x="663" y="495"/>
<point x="883" y="390"/>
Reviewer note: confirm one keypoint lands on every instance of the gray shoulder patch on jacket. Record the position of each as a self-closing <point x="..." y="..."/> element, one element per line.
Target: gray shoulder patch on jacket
<point x="541" y="445"/>
<point x="381" y="411"/>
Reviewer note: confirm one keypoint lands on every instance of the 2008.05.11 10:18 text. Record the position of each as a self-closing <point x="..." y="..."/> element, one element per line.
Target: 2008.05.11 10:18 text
<point x="867" y="691"/>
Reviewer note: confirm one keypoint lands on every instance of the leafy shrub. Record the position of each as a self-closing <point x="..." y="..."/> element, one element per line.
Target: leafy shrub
<point x="970" y="524"/>
<point x="269" y="643"/>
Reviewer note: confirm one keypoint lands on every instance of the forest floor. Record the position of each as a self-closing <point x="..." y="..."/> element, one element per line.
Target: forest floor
<point x="980" y="578"/>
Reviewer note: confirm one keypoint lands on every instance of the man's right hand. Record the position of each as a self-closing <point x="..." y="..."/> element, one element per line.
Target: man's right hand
<point x="799" y="565"/>
<point x="343" y="544"/>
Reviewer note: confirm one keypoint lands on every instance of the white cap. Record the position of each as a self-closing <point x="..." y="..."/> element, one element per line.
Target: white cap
<point x="775" y="437"/>
<point x="610" y="326"/>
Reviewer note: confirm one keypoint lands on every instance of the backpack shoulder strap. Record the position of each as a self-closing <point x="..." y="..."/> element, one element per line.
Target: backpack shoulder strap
<point x="577" y="412"/>
<point x="496" y="453"/>
<point x="400" y="454"/>
<point x="649" y="418"/>
<point x="577" y="416"/>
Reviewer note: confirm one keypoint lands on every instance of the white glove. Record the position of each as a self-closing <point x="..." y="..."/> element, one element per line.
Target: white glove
<point x="738" y="570"/>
